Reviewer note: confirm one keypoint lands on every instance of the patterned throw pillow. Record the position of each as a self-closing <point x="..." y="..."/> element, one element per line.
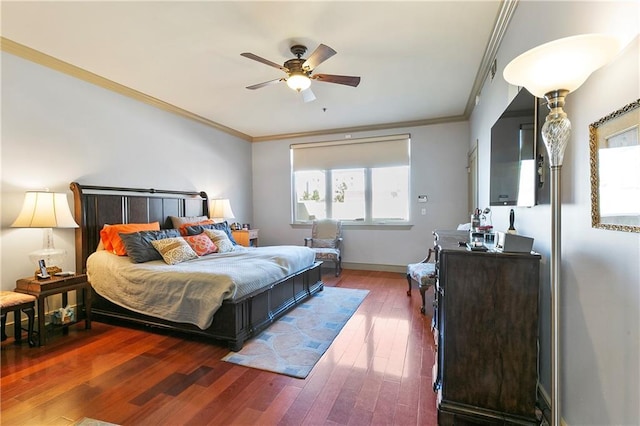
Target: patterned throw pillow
<point x="220" y="239"/>
<point x="201" y="244"/>
<point x="174" y="250"/>
<point x="224" y="226"/>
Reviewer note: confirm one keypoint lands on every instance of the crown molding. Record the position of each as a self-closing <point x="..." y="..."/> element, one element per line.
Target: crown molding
<point x="507" y="8"/>
<point x="43" y="59"/>
<point x="373" y="127"/>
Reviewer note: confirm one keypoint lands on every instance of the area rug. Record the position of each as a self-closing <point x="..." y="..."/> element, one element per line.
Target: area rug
<point x="295" y="342"/>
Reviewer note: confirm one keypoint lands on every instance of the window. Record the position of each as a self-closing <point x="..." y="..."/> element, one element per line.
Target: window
<point x="360" y="181"/>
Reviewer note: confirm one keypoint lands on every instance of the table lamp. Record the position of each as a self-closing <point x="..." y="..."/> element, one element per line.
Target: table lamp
<point x="221" y="210"/>
<point x="45" y="210"/>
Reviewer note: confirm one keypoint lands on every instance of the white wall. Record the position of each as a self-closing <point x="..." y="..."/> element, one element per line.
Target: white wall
<point x="57" y="129"/>
<point x="438" y="169"/>
<point x="600" y="272"/>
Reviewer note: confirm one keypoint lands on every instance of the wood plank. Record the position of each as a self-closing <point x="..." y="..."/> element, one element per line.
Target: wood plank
<point x="378" y="370"/>
<point x="281" y="403"/>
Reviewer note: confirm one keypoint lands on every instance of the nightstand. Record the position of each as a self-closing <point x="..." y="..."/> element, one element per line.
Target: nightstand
<point x="42" y="289"/>
<point x="246" y="237"/>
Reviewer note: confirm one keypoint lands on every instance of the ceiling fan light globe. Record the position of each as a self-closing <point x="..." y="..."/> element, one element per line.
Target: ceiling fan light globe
<point x="298" y="82"/>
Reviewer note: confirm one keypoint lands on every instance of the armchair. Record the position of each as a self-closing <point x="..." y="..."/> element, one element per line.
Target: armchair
<point x="326" y="241"/>
<point x="424" y="273"/>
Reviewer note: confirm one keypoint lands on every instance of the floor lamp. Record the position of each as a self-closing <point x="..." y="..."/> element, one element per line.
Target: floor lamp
<point x="552" y="70"/>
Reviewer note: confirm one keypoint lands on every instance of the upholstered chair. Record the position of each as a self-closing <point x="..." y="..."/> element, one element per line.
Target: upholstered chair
<point x="424" y="273"/>
<point x="326" y="241"/>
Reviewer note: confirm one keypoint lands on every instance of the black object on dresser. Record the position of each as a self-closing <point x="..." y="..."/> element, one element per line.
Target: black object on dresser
<point x="486" y="331"/>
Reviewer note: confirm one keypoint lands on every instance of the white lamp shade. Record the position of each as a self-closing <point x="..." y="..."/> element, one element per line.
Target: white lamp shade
<point x="298" y="82"/>
<point x="45" y="210"/>
<point x="221" y="209"/>
<point x="561" y="64"/>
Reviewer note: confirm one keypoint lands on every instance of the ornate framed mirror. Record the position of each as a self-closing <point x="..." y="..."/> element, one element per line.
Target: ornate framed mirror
<point x="614" y="145"/>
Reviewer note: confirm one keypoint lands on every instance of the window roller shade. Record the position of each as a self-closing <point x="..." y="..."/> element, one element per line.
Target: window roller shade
<point x="370" y="152"/>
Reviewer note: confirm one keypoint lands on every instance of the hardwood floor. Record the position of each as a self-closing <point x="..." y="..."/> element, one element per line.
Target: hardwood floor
<point x="377" y="371"/>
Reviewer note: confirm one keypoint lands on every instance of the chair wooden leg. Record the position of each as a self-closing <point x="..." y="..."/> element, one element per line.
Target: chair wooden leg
<point x="31" y="320"/>
<point x="17" y="326"/>
<point x="409" y="281"/>
<point x="422" y="292"/>
<point x="4" y="323"/>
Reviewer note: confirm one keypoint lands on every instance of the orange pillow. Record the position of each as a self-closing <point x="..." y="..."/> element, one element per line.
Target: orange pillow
<point x="183" y="227"/>
<point x="201" y="244"/>
<point x="110" y="235"/>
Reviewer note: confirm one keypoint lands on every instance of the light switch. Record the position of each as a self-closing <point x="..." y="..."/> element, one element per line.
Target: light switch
<point x="423" y="211"/>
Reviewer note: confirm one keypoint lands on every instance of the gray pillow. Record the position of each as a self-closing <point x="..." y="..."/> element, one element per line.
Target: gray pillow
<point x="139" y="247"/>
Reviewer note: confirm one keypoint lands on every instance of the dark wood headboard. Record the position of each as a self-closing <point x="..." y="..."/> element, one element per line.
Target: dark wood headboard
<point x="95" y="206"/>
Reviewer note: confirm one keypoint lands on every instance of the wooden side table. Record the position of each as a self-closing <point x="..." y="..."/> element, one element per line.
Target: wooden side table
<point x="246" y="237"/>
<point x="42" y="289"/>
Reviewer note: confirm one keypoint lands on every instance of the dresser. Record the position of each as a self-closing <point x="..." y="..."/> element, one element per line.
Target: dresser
<point x="486" y="331"/>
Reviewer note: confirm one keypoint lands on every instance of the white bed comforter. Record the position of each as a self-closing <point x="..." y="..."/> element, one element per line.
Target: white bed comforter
<point x="191" y="292"/>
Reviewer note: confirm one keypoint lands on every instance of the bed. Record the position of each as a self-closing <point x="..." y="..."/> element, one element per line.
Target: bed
<point x="279" y="278"/>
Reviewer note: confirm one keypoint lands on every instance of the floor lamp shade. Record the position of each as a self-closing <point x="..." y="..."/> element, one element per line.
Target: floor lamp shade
<point x="45" y="210"/>
<point x="561" y="64"/>
<point x="552" y="70"/>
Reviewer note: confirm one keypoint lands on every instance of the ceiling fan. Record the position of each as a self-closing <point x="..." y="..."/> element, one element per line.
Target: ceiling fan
<point x="299" y="71"/>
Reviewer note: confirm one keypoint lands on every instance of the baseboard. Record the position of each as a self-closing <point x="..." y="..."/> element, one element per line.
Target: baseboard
<point x="9" y="327"/>
<point x="375" y="267"/>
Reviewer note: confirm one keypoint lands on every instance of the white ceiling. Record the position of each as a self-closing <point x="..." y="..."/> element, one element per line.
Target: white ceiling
<point x="419" y="61"/>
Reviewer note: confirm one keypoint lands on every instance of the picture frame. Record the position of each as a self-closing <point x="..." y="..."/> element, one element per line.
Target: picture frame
<point x="614" y="148"/>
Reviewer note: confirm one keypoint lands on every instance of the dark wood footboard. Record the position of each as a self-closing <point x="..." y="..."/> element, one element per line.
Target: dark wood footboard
<point x="235" y="321"/>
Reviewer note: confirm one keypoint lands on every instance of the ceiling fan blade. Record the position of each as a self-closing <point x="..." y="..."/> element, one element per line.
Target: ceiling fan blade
<point x="264" y="61"/>
<point x="308" y="95"/>
<point x="321" y="54"/>
<point x="266" y="83"/>
<point x="339" y="79"/>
